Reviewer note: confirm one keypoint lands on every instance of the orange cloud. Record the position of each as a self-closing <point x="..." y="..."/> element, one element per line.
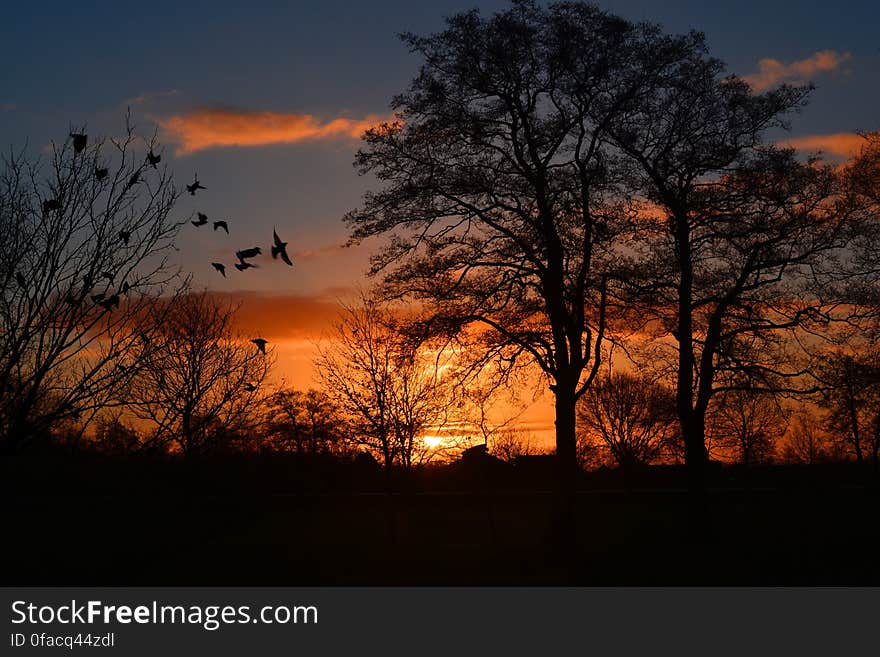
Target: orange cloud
<point x="841" y="144"/>
<point x="772" y="71"/>
<point x="284" y="316"/>
<point x="212" y="128"/>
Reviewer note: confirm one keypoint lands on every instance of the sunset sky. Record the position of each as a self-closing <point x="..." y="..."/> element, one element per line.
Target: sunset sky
<point x="266" y="100"/>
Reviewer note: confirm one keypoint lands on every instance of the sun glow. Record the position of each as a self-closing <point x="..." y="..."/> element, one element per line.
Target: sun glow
<point x="433" y="441"/>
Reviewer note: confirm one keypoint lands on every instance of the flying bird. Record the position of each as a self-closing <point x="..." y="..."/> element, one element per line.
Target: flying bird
<point x="125" y="236"/>
<point x="79" y="141"/>
<point x="280" y="248"/>
<point x="196" y="185"/>
<point x="110" y="302"/>
<point x="134" y="180"/>
<point x="261" y="344"/>
<point x="241" y="266"/>
<point x="219" y="266"/>
<point x="202" y="220"/>
<point x="223" y="225"/>
<point x="101" y="173"/>
<point x="153" y="159"/>
<point x="248" y="253"/>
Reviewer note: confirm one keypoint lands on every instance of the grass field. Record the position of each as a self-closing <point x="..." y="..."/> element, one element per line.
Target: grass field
<point x="753" y="536"/>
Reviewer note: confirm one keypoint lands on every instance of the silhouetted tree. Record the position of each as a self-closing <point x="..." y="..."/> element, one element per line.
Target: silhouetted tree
<point x="83" y="251"/>
<point x="200" y="380"/>
<point x="743" y="248"/>
<point x="305" y="423"/>
<point x="389" y="385"/>
<point x="500" y="193"/>
<point x="509" y="443"/>
<point x="631" y="416"/>
<point x="747" y="425"/>
<point x="807" y="442"/>
<point x="114" y="435"/>
<point x="851" y="400"/>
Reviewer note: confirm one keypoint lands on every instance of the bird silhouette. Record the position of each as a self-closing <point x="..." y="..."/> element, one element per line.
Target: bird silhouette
<point x="101" y="173"/>
<point x="219" y="266"/>
<point x="153" y="159"/>
<point x="134" y="180"/>
<point x="125" y="235"/>
<point x="51" y="204"/>
<point x="248" y="253"/>
<point x="79" y="141"/>
<point x="110" y="302"/>
<point x="202" y="220"/>
<point x="196" y="185"/>
<point x="223" y="225"/>
<point x="280" y="248"/>
<point x="241" y="266"/>
<point x="261" y="344"/>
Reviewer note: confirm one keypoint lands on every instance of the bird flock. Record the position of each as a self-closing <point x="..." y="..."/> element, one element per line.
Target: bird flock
<point x="278" y="248"/>
<point x="110" y="301"/>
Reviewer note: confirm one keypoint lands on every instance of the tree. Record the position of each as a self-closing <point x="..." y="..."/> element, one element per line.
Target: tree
<point x="744" y="248"/>
<point x="807" y="443"/>
<point x="747" y="425"/>
<point x="632" y="416"/>
<point x="113" y="435"/>
<point x="200" y="380"/>
<point x="390" y="386"/>
<point x="851" y="401"/>
<point x="84" y="251"/>
<point x="510" y="443"/>
<point x="499" y="191"/>
<point x="305" y="423"/>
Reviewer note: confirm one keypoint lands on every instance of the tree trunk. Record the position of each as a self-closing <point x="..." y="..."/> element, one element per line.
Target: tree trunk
<point x="691" y="420"/>
<point x="566" y="481"/>
<point x="693" y="429"/>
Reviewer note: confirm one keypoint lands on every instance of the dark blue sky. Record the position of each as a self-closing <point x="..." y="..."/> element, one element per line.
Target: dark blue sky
<point x="70" y="63"/>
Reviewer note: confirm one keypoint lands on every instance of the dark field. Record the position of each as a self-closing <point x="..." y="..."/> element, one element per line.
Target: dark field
<point x="110" y="524"/>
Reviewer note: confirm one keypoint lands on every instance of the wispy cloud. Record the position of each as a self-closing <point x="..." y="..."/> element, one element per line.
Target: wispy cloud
<point x="212" y="128"/>
<point x="840" y="144"/>
<point x="772" y="72"/>
<point x="319" y="252"/>
<point x="150" y="96"/>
